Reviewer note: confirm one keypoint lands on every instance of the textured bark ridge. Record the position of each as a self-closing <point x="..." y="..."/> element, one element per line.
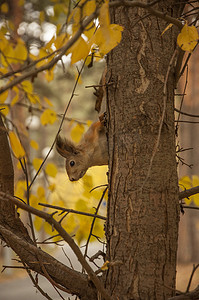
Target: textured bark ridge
<point x="143" y="210"/>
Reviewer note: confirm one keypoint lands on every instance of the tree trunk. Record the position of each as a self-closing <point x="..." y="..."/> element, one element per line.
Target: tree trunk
<point x="143" y="209"/>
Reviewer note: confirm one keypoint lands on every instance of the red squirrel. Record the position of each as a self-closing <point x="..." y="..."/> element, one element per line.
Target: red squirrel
<point x="91" y="151"/>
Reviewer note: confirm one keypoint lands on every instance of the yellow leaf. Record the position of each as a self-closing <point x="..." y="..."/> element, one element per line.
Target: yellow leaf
<point x="104" y="18"/>
<point x="48" y="101"/>
<point x="75" y="16"/>
<point x="40" y="192"/>
<point x="195" y="180"/>
<point x="48" y="117"/>
<point x="4" y="43"/>
<point x="185" y="182"/>
<point x="3" y="96"/>
<point x="108" y="41"/>
<point x="3" y="70"/>
<point x="49" y="44"/>
<point x="51" y="169"/>
<point x="20" y="189"/>
<point x="60" y="40"/>
<point x="188" y="38"/>
<point x="20" y="52"/>
<point x="32" y="56"/>
<point x="42" y="16"/>
<point x="115" y="32"/>
<point x="37" y="163"/>
<point x="77" y="132"/>
<point x="196" y="199"/>
<point x="90" y="30"/>
<point x="33" y="98"/>
<point x="34" y="145"/>
<point x="89" y="122"/>
<point x="52" y="187"/>
<point x="4" y="8"/>
<point x="168" y="26"/>
<point x="79" y="50"/>
<point x="105" y="266"/>
<point x="21" y="2"/>
<point x="38" y="223"/>
<point x="49" y="75"/>
<point x="88" y="8"/>
<point x="87" y="185"/>
<point x="4" y="110"/>
<point x="17" y="148"/>
<point x="42" y="55"/>
<point x="34" y="201"/>
<point x="27" y="86"/>
<point x="15" y="99"/>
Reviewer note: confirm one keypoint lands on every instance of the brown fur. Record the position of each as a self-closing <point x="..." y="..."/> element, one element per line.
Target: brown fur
<point x="91" y="151"/>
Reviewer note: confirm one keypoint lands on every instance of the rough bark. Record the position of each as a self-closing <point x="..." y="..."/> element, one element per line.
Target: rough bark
<point x="143" y="209"/>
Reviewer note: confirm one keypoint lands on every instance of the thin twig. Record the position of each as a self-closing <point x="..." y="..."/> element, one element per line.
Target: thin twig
<point x="93" y="222"/>
<point x="190" y="207"/>
<point x="24" y="168"/>
<point x="183" y="95"/>
<point x="185" y="113"/>
<point x="73" y="211"/>
<point x="36" y="283"/>
<point x="191" y="277"/>
<point x="55" y="59"/>
<point x="148" y="7"/>
<point x="61" y="123"/>
<point x="65" y="236"/>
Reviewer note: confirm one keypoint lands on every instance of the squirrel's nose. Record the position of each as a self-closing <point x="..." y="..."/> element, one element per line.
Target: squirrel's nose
<point x="72" y="179"/>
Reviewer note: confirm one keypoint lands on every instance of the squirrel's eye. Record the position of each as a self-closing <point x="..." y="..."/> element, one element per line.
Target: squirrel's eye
<point x="72" y="163"/>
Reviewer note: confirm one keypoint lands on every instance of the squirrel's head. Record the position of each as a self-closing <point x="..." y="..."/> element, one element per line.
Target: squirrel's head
<point x="76" y="164"/>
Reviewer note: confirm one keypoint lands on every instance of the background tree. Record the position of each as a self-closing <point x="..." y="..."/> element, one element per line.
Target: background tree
<point x="143" y="205"/>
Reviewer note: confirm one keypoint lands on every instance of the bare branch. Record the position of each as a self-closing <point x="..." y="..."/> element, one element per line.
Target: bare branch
<point x="148" y="7"/>
<point x="187" y="296"/>
<point x="83" y="26"/>
<point x="49" y="65"/>
<point x="191" y="277"/>
<point x="93" y="222"/>
<point x="73" y="280"/>
<point x="49" y="218"/>
<point x="60" y="126"/>
<point x="73" y="211"/>
<point x="186" y="114"/>
<point x="189" y="192"/>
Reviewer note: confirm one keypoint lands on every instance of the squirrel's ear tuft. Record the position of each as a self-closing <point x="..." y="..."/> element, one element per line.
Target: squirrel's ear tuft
<point x="65" y="147"/>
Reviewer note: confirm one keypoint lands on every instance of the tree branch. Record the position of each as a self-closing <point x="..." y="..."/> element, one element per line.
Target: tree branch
<point x="148" y="7"/>
<point x="189" y="192"/>
<point x="49" y="218"/>
<point x="83" y="26"/>
<point x="76" y="282"/>
<point x="187" y="296"/>
<point x="49" y="65"/>
<point x="73" y="211"/>
<point x="186" y="114"/>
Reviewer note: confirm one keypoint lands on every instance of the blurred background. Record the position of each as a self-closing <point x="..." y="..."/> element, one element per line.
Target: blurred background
<point x="36" y="22"/>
